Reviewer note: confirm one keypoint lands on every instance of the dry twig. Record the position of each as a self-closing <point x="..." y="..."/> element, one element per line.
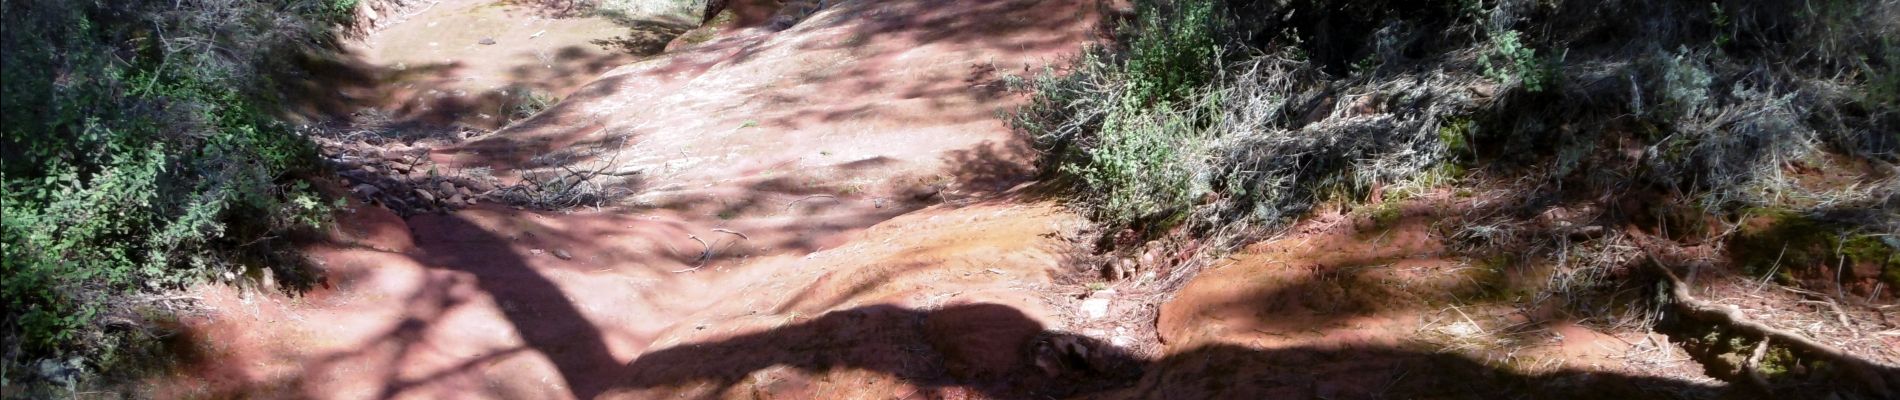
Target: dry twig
<point x="705" y="253"/>
<point x="788" y="206"/>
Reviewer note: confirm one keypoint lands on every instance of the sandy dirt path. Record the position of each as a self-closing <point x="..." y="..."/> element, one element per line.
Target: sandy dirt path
<point x="826" y="178"/>
<point x="819" y="200"/>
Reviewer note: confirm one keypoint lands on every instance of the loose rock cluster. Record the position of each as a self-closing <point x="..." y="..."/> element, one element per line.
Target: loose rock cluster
<point x="403" y="178"/>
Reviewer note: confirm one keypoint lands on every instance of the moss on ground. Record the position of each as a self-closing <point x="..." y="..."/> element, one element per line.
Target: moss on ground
<point x="1785" y="243"/>
<point x="1385" y="215"/>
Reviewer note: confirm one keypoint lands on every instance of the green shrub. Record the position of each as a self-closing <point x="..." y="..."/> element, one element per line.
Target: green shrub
<point x="1512" y="60"/>
<point x="142" y="151"/>
<point x="1145" y="163"/>
<point x="1151" y="132"/>
<point x="1174" y="51"/>
<point x="1132" y="127"/>
<point x="1455" y="133"/>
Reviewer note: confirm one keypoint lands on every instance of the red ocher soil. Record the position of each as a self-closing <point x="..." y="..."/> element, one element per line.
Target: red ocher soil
<point x="1348" y="306"/>
<point x="845" y="174"/>
<point x="826" y="206"/>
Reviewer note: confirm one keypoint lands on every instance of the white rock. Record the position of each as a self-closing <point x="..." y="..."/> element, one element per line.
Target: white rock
<point x="1095" y="308"/>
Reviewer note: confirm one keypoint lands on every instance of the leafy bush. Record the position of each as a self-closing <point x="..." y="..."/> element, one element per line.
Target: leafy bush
<point x="1174" y="51"/>
<point x="1145" y="162"/>
<point x="1154" y="131"/>
<point x="1511" y="60"/>
<point x="142" y="150"/>
<point x="1146" y="114"/>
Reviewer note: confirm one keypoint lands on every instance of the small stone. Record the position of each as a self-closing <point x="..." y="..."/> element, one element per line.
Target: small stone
<point x="267" y="279"/>
<point x="1484" y="90"/>
<point x="1095" y="308"/>
<point x="1149" y="258"/>
<point x="562" y="254"/>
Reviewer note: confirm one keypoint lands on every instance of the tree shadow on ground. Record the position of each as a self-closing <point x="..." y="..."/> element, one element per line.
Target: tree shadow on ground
<point x="646" y="37"/>
<point x="997" y="351"/>
<point x="988" y="349"/>
<point x="408" y="98"/>
<point x="334" y="84"/>
<point x="544" y="317"/>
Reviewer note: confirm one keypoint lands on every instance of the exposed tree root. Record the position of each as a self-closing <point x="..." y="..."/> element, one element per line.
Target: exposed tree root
<point x="1753" y="366"/>
<point x="1881" y="380"/>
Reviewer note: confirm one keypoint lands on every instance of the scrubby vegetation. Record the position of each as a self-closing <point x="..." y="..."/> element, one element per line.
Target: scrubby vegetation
<point x="1682" y="118"/>
<point x="143" y="151"/>
<point x="1244" y="115"/>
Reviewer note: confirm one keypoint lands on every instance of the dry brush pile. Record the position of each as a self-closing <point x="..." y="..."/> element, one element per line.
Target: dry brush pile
<point x="1726" y="126"/>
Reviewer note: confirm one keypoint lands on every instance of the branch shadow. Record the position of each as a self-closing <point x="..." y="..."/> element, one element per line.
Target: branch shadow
<point x="547" y="321"/>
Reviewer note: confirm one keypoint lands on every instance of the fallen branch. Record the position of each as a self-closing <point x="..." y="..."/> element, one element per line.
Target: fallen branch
<point x="731" y="232"/>
<point x="788" y="206"/>
<point x="1880" y="379"/>
<point x="705" y="253"/>
<point x="1839" y="315"/>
